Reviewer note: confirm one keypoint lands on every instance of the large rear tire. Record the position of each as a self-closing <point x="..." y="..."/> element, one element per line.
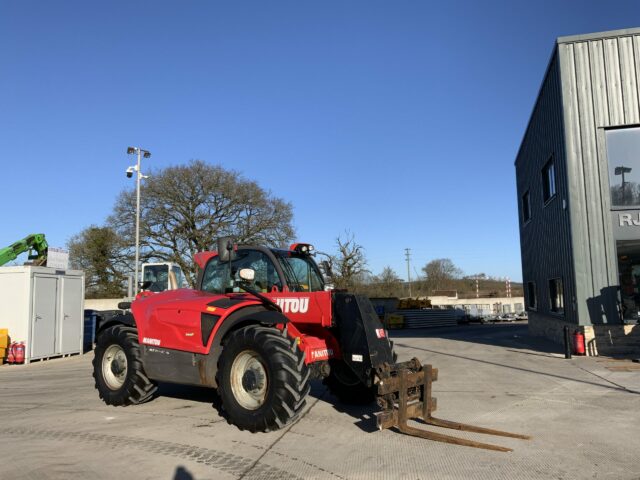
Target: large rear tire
<point x="344" y="384"/>
<point x="262" y="379"/>
<point x="118" y="370"/>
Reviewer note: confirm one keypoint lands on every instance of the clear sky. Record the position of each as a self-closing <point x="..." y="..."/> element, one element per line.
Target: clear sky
<point x="396" y="120"/>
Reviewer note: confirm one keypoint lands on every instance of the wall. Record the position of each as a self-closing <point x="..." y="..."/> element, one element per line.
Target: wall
<point x="600" y="76"/>
<point x="545" y="240"/>
<point x="102" y="303"/>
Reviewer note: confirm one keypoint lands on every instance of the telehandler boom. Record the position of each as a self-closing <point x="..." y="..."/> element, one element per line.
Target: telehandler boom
<point x="35" y="244"/>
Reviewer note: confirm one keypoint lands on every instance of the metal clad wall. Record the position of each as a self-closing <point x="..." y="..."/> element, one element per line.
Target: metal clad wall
<point x="599" y="89"/>
<point x="629" y="85"/>
<point x="546" y="239"/>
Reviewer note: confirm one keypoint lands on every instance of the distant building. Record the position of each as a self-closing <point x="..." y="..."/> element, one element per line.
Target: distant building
<point x="578" y="183"/>
<point x="477" y="306"/>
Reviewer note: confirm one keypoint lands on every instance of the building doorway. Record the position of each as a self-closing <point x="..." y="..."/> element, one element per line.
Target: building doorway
<point x="629" y="277"/>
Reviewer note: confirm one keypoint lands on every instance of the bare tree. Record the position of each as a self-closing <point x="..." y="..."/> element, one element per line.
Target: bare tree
<point x="439" y="273"/>
<point x="386" y="284"/>
<point x="349" y="263"/>
<point x="185" y="208"/>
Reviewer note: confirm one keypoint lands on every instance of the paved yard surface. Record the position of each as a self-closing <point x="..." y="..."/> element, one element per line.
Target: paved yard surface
<point x="583" y="414"/>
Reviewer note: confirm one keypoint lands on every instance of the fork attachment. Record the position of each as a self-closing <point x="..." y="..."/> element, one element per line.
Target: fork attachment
<point x="404" y="392"/>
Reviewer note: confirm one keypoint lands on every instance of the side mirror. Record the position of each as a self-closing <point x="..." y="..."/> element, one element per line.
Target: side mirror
<point x="146" y="284"/>
<point x="247" y="274"/>
<point x="225" y="249"/>
<point x="124" y="305"/>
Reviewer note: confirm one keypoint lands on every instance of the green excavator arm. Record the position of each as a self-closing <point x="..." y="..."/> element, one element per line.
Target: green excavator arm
<point x="35" y="244"/>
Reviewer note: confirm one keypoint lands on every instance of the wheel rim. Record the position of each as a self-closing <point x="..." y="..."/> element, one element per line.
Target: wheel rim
<point x="114" y="367"/>
<point x="249" y="381"/>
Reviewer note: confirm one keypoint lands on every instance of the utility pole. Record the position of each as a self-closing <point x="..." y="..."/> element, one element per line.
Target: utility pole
<point x="477" y="292"/>
<point x="407" y="253"/>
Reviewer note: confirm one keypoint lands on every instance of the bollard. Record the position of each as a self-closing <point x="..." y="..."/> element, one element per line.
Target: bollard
<point x="567" y="343"/>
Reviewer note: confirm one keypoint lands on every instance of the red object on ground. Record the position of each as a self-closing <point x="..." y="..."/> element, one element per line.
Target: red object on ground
<point x="578" y="343"/>
<point x="18" y="352"/>
<point x="10" y="355"/>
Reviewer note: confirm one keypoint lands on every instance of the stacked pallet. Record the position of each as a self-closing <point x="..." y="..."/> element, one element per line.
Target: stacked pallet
<point x="428" y="318"/>
<point x="4" y="344"/>
<point x="394" y="321"/>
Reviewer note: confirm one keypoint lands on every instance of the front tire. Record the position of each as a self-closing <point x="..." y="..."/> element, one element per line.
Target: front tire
<point x="117" y="368"/>
<point x="262" y="380"/>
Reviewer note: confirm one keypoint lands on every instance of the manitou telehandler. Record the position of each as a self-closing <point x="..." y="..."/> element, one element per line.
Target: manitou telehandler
<point x="259" y="326"/>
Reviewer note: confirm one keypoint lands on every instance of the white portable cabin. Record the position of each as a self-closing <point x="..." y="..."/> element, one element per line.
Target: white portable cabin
<point x="44" y="308"/>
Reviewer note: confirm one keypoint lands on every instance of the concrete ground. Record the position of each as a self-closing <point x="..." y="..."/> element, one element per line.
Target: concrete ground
<point x="583" y="414"/>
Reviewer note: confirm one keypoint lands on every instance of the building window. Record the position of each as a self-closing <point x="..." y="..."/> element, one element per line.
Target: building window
<point x="623" y="145"/>
<point x="548" y="181"/>
<point x="531" y="295"/>
<point x="526" y="207"/>
<point x="556" y="295"/>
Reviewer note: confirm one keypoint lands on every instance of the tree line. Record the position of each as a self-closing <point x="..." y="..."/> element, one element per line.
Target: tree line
<point x="185" y="209"/>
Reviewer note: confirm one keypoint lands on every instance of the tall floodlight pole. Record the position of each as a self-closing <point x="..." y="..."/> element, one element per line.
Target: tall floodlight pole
<point x="139" y="176"/>
<point x="407" y="252"/>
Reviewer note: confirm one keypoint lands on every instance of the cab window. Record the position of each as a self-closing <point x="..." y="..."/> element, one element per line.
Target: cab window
<point x="158" y="275"/>
<point x="216" y="278"/>
<point x="302" y="273"/>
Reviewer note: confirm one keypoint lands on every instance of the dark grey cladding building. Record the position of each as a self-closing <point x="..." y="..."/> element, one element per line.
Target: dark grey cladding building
<point x="578" y="182"/>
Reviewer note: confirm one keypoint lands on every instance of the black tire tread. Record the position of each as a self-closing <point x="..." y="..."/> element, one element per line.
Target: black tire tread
<point x="137" y="387"/>
<point x="290" y="383"/>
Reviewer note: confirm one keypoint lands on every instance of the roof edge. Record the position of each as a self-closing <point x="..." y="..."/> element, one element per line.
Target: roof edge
<point x="550" y="63"/>
<point x="598" y="35"/>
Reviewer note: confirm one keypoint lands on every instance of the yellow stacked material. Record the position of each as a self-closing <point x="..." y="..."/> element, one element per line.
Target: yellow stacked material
<point x="414" y="303"/>
<point x="4" y="344"/>
<point x="4" y="338"/>
<point x="394" y="321"/>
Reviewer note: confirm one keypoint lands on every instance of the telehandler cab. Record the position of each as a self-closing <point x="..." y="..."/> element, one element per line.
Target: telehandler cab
<point x="259" y="326"/>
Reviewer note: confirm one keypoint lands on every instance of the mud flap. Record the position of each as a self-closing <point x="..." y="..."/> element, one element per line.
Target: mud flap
<point x="404" y="393"/>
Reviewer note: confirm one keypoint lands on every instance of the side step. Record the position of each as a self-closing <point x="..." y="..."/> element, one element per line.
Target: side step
<point x="404" y="392"/>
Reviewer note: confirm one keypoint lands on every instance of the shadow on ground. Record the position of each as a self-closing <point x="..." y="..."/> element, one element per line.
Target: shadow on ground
<point x="511" y="335"/>
<point x="188" y="392"/>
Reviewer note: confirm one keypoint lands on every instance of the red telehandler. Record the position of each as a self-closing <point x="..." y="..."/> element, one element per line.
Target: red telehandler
<point x="259" y="326"/>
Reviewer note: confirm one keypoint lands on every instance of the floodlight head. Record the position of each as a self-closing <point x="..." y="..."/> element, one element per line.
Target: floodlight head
<point x="146" y="154"/>
<point x="131" y="150"/>
<point x="621" y="170"/>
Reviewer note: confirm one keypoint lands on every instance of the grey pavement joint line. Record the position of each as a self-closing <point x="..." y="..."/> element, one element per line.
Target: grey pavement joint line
<point x="217" y="459"/>
<point x="622" y="387"/>
<point x="281" y="436"/>
<point x="65" y="408"/>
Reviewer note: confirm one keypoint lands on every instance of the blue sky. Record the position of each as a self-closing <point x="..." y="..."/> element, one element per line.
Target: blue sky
<point x="398" y="121"/>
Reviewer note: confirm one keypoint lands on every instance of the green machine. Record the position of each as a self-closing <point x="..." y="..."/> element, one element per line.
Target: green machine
<point x="35" y="244"/>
